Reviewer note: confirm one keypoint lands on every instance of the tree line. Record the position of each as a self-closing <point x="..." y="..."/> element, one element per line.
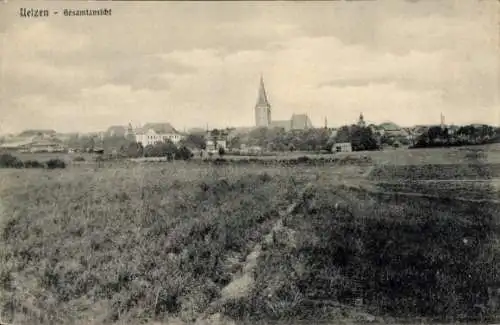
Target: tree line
<point x="464" y="135"/>
<point x="278" y="139"/>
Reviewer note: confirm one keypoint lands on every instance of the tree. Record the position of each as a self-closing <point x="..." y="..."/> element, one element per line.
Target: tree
<point x="362" y="139"/>
<point x="161" y="149"/>
<point x="110" y="143"/>
<point x="222" y="152"/>
<point x="343" y="134"/>
<point x="194" y="141"/>
<point x="133" y="150"/>
<point x="184" y="153"/>
<point x="235" y="142"/>
<point x="258" y="137"/>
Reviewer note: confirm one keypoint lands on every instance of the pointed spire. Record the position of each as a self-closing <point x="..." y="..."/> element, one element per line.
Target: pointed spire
<point x="262" y="99"/>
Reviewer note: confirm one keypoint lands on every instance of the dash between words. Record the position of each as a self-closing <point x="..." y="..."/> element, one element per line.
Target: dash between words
<point x="36" y="13"/>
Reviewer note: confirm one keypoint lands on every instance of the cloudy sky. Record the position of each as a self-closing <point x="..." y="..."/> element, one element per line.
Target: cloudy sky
<point x="193" y="63"/>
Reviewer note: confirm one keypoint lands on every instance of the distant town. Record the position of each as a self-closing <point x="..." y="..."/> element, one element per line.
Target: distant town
<point x="267" y="135"/>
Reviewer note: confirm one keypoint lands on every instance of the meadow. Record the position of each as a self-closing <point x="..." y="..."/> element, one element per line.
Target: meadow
<point x="139" y="243"/>
<point x="401" y="156"/>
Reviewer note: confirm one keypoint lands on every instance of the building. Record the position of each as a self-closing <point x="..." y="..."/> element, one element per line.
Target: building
<point x="216" y="140"/>
<point x="296" y="122"/>
<point x="342" y="147"/>
<point x="252" y="150"/>
<point x="152" y="133"/>
<point x="34" y="144"/>
<point x="46" y="145"/>
<point x="390" y="129"/>
<point x="262" y="108"/>
<point x="214" y="145"/>
<point x="263" y="114"/>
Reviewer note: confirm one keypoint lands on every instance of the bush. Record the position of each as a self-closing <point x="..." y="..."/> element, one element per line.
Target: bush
<point x="55" y="163"/>
<point x="303" y="159"/>
<point x="33" y="164"/>
<point x="10" y="161"/>
<point x="184" y="153"/>
<point x="220" y="161"/>
<point x="78" y="158"/>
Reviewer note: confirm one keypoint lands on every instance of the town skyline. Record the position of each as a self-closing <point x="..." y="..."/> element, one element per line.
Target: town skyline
<point x="403" y="62"/>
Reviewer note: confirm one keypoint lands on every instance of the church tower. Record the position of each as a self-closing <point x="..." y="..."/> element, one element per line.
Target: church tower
<point x="262" y="108"/>
<point x="361" y="121"/>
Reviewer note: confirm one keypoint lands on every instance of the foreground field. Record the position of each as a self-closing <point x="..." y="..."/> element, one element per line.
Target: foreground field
<point x="150" y="242"/>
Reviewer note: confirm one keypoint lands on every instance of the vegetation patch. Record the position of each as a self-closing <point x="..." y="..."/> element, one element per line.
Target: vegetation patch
<point x="10" y="161"/>
<point x="409" y="257"/>
<point x="473" y="170"/>
<point x="142" y="246"/>
<point x="137" y="251"/>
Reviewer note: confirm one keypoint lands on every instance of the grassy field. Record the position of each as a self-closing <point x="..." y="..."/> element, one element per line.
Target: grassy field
<point x="390" y="156"/>
<point x="154" y="242"/>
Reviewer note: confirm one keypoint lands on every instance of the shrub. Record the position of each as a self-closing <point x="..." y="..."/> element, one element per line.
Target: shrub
<point x="302" y="159"/>
<point x="33" y="164"/>
<point x="219" y="161"/>
<point x="79" y="158"/>
<point x="10" y="161"/>
<point x="55" y="163"/>
<point x="184" y="153"/>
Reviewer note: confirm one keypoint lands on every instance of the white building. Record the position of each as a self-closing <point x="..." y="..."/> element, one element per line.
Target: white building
<point x="342" y="147"/>
<point x="152" y="133"/>
<point x="215" y="145"/>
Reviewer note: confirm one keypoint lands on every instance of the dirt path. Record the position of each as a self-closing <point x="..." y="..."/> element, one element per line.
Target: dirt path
<point x="242" y="283"/>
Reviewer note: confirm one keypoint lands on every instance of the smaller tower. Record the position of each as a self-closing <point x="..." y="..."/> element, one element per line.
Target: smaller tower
<point x="326" y="123"/>
<point x="361" y="121"/>
<point x="130" y="134"/>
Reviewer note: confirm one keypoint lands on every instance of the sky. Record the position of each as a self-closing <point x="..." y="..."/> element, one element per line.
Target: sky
<point x="194" y="64"/>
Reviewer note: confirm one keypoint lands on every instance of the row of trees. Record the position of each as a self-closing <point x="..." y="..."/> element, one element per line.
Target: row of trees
<point x="161" y="149"/>
<point x="277" y="139"/>
<point x="464" y="135"/>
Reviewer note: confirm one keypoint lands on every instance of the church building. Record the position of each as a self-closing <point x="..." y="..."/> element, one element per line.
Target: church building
<point x="263" y="114"/>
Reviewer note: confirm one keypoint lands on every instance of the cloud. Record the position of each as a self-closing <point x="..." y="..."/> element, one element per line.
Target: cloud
<point x="197" y="63"/>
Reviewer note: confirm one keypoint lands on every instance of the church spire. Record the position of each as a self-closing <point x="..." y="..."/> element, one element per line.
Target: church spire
<point x="262" y="108"/>
<point x="262" y="99"/>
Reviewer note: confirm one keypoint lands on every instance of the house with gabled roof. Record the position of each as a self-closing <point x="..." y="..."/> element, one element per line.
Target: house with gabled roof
<point x="152" y="133"/>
